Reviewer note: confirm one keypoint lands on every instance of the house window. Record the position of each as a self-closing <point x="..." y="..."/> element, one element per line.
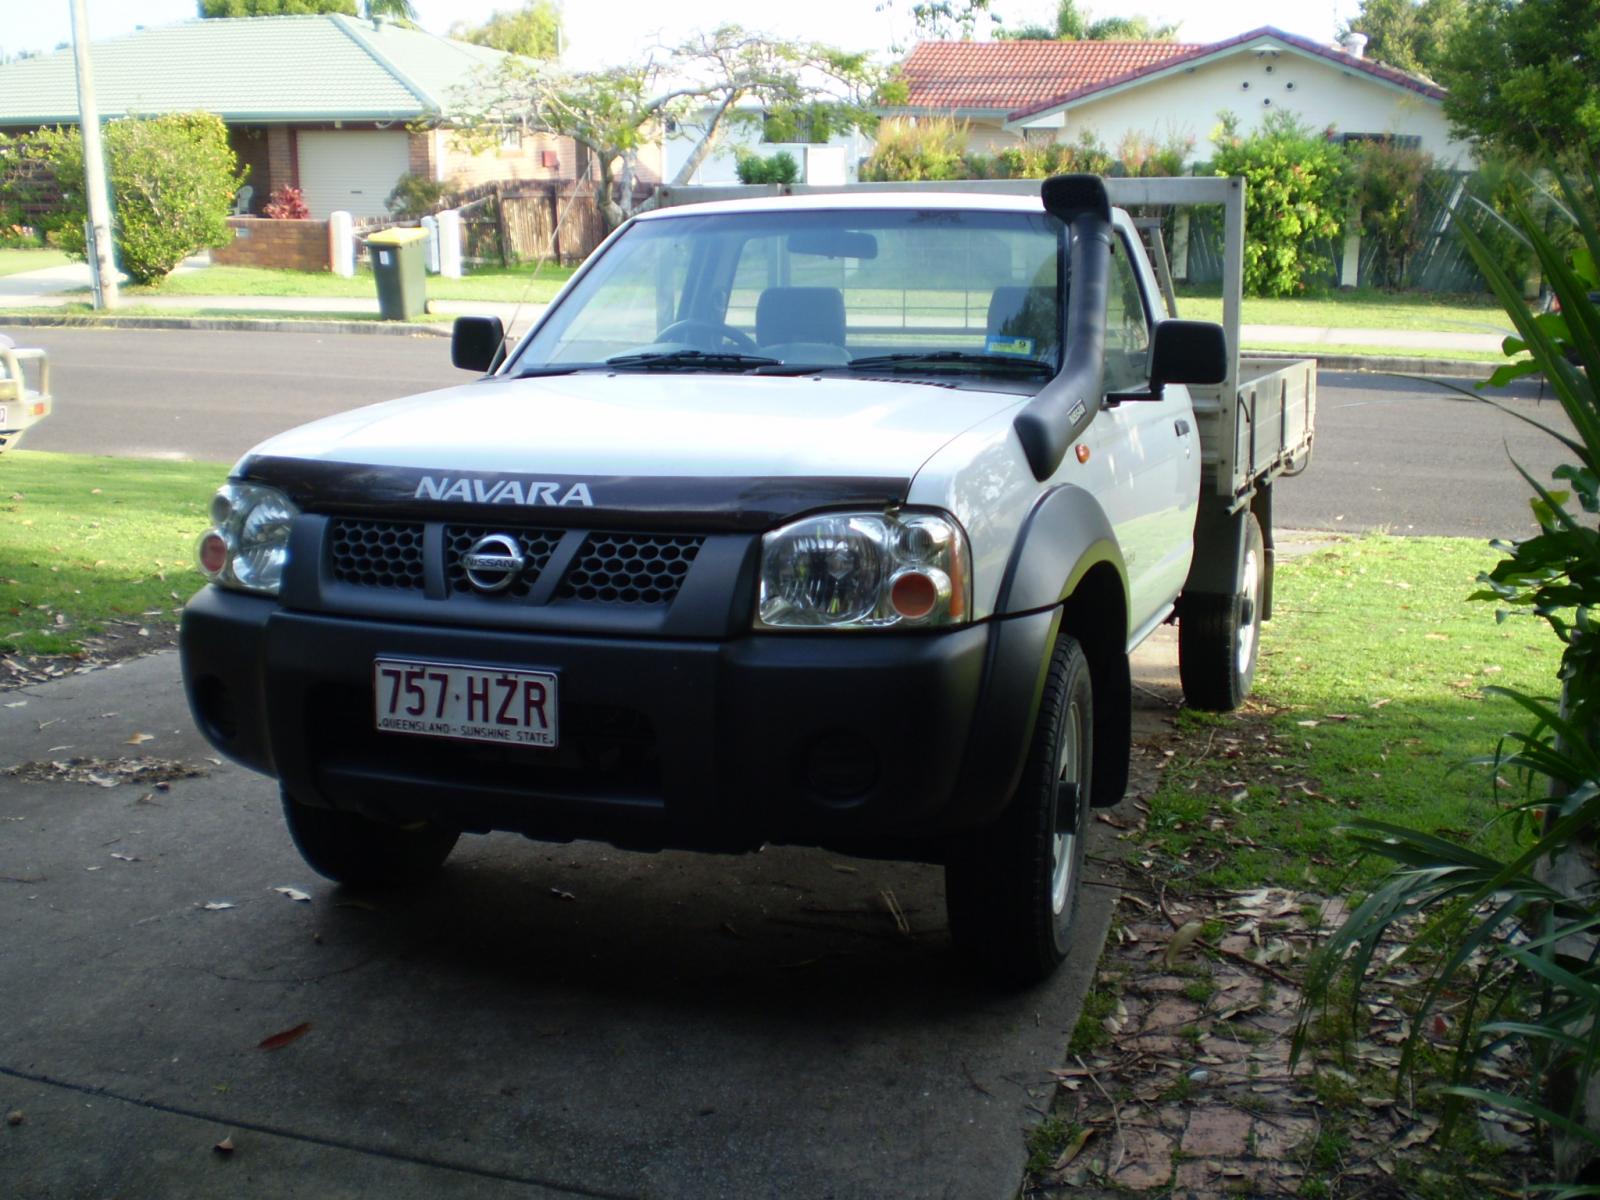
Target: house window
<point x="1406" y="141"/>
<point x="511" y="137"/>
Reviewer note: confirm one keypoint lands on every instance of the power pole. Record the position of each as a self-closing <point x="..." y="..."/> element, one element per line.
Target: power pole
<point x="102" y="262"/>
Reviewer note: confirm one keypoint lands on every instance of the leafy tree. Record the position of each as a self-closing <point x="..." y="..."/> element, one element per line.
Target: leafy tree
<point x="695" y="86"/>
<point x="1077" y="25"/>
<point x="275" y="8"/>
<point x="947" y="20"/>
<point x="1298" y="194"/>
<point x="1524" y="76"/>
<point x="172" y="180"/>
<point x="534" y="30"/>
<point x="1409" y="34"/>
<point x="400" y="9"/>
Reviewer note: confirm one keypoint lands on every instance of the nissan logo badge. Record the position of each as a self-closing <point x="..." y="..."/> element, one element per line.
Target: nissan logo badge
<point x="493" y="563"/>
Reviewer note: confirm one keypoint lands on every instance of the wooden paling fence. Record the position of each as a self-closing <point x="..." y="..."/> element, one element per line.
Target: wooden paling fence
<point x="516" y="223"/>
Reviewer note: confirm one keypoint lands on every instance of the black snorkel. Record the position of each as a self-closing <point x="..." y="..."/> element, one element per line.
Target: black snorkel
<point x="1054" y="418"/>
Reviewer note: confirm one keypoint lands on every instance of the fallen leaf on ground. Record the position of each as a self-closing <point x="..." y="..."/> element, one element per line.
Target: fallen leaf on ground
<point x="15" y="1117"/>
<point x="294" y="894"/>
<point x="1074" y="1147"/>
<point x="225" y="1146"/>
<point x="218" y="905"/>
<point x="140" y="739"/>
<point x="1182" y="939"/>
<point x="561" y="895"/>
<point x="126" y="857"/>
<point x="279" y="1040"/>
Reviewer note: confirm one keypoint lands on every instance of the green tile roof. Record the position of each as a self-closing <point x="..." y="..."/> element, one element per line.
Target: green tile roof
<point x="260" y="69"/>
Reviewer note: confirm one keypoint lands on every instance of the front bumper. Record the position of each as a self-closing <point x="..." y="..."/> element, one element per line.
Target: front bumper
<point x="874" y="743"/>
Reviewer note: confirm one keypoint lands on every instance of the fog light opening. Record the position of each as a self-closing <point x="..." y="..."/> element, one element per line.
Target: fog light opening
<point x="841" y="767"/>
<point x="214" y="707"/>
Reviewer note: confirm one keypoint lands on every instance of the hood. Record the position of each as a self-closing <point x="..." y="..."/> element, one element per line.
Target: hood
<point x="751" y="448"/>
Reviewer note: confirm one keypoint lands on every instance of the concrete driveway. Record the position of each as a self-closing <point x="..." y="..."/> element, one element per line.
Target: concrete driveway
<point x="544" y="1021"/>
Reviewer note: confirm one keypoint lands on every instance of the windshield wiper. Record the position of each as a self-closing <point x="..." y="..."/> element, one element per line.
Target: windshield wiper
<point x="709" y="360"/>
<point x="913" y="360"/>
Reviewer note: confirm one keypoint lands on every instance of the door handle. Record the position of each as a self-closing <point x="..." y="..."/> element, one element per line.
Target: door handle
<point x="1181" y="427"/>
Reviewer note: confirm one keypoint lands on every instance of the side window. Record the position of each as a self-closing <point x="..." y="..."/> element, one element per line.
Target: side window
<point x="1127" y="327"/>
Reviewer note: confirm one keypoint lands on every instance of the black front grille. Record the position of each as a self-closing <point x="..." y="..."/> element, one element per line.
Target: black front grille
<point x="630" y="568"/>
<point x="384" y="554"/>
<point x="537" y="545"/>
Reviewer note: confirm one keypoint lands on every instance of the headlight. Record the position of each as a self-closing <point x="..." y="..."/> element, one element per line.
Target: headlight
<point x="248" y="543"/>
<point x="865" y="571"/>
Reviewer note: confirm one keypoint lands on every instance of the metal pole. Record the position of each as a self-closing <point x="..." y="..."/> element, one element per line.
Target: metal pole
<point x="102" y="262"/>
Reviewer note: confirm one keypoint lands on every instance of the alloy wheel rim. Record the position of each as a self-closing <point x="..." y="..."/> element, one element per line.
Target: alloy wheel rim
<point x="1247" y="628"/>
<point x="1064" y="866"/>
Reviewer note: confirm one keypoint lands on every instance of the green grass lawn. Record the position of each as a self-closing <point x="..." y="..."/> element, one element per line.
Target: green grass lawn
<point x="1373" y="672"/>
<point x="87" y="314"/>
<point x="1363" y="309"/>
<point x="508" y="284"/>
<point x="89" y="540"/>
<point x="13" y="262"/>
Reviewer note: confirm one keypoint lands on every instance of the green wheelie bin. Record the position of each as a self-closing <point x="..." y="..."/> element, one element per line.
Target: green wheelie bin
<point x="398" y="256"/>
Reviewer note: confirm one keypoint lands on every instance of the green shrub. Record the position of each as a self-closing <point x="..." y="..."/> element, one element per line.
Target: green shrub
<point x="779" y="168"/>
<point x="172" y="181"/>
<point x="416" y="196"/>
<point x="1388" y="180"/>
<point x="1298" y="194"/>
<point x="911" y="150"/>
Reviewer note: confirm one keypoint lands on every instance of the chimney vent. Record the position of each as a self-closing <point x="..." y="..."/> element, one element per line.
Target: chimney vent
<point x="1354" y="44"/>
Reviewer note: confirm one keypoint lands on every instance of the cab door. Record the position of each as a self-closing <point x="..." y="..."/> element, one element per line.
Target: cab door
<point x="1153" y="445"/>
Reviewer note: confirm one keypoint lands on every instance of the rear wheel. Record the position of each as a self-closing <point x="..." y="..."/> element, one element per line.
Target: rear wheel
<point x="348" y="848"/>
<point x="1012" y="889"/>
<point x="1218" y="635"/>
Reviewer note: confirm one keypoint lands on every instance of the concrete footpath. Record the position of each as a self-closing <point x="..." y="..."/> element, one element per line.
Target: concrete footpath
<point x="542" y="1021"/>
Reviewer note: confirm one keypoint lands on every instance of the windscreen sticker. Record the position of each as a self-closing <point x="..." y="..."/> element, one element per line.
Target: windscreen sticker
<point x="1077" y="414"/>
<point x="1022" y="346"/>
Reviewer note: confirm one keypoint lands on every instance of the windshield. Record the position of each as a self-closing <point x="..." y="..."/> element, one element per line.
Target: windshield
<point x="785" y="290"/>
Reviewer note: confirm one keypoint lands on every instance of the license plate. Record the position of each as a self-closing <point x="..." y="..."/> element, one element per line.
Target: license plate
<point x="453" y="700"/>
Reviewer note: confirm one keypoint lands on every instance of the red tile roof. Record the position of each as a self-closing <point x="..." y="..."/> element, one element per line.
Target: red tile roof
<point x="1188" y="55"/>
<point x="1006" y="76"/>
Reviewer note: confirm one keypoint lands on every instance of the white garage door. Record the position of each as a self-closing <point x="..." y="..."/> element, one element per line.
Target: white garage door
<point x="352" y="170"/>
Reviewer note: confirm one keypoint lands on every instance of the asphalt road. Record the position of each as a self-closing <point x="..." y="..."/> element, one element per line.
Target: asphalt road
<point x="1391" y="454"/>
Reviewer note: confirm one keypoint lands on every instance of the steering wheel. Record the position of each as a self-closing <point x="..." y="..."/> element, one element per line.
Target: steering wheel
<point x="707" y="335"/>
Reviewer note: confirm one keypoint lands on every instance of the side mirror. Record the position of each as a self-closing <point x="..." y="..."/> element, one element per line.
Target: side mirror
<point x="477" y="343"/>
<point x="1188" y="352"/>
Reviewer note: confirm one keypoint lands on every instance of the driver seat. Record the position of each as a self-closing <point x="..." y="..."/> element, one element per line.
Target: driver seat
<point x="786" y="316"/>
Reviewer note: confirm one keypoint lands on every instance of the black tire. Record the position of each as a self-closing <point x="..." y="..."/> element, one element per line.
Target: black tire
<point x="1219" y="636"/>
<point x="349" y="848"/>
<point x="1011" y="889"/>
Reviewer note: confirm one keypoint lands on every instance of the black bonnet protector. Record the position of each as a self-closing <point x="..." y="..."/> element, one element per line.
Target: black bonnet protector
<point x="1061" y="411"/>
<point x="733" y="503"/>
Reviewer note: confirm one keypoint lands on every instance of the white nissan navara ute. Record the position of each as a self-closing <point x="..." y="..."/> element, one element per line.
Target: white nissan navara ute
<point x="826" y="520"/>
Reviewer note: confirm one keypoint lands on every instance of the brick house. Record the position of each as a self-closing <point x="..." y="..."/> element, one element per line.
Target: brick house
<point x="324" y="103"/>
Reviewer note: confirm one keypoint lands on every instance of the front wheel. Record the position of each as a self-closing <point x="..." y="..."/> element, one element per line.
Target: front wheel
<point x="349" y="848"/>
<point x="1011" y="890"/>
<point x="1219" y="636"/>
